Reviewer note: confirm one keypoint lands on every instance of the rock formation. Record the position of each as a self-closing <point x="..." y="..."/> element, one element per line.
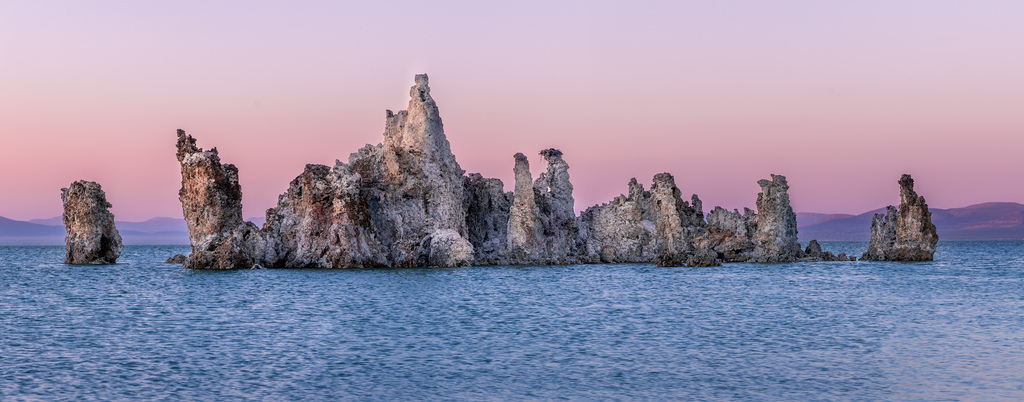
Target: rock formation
<point x="211" y="200"/>
<point x="728" y="234"/>
<point x="525" y="229"/>
<point x="406" y="202"/>
<point x="322" y="221"/>
<point x="774" y="235"/>
<point x="643" y="226"/>
<point x="487" y="208"/>
<point x="92" y="237"/>
<point x="813" y="252"/>
<point x="176" y="259"/>
<point x="542" y="224"/>
<point x="413" y="186"/>
<point x="904" y="234"/>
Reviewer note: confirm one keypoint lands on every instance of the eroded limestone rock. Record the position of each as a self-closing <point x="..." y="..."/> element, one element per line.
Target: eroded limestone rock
<point x="643" y="226"/>
<point x="406" y="203"/>
<point x="487" y="216"/>
<point x="775" y="231"/>
<point x="211" y="200"/>
<point x="92" y="237"/>
<point x="412" y="183"/>
<point x="906" y="233"/>
<point x="322" y="221"/>
<point x="728" y="234"/>
<point x="176" y="259"/>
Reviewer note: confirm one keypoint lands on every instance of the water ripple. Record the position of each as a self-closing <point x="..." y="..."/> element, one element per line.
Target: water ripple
<point x="141" y="329"/>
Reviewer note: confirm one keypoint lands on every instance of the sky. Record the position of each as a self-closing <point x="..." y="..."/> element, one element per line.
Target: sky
<point x="840" y="97"/>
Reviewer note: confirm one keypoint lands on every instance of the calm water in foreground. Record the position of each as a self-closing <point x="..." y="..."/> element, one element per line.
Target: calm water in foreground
<point x="950" y="329"/>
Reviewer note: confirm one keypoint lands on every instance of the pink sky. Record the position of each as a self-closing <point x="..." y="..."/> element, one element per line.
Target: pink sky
<point x="840" y="98"/>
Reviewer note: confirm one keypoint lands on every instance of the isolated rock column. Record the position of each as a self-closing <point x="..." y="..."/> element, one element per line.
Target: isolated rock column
<point x="92" y="237"/>
<point x="906" y="233"/>
<point x="211" y="201"/>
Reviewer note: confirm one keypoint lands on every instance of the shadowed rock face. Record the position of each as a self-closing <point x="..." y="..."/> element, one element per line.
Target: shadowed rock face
<point x="904" y="234"/>
<point x="553" y="194"/>
<point x="92" y="237"/>
<point x="525" y="229"/>
<point x="487" y="217"/>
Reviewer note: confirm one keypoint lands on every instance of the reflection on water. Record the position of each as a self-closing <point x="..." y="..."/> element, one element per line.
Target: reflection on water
<point x="950" y="329"/>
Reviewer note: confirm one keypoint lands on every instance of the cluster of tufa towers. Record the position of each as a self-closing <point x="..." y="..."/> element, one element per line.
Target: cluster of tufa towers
<point x="406" y="202"/>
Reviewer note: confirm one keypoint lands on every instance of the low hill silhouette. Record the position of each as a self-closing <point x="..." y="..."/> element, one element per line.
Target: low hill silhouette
<point x="986" y="221"/>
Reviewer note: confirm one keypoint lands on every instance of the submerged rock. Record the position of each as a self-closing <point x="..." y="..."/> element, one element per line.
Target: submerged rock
<point x="92" y="237"/>
<point x="813" y="252"/>
<point x="176" y="259"/>
<point x="903" y="234"/>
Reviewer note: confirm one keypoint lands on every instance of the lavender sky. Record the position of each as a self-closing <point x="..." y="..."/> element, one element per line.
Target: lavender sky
<point x="841" y="97"/>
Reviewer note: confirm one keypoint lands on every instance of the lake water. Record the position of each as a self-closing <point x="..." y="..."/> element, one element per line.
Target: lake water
<point x="952" y="329"/>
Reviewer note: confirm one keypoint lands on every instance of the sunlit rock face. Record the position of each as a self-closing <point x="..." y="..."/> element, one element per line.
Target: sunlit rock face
<point x="406" y="202"/>
<point x="774" y="226"/>
<point x="643" y="226"/>
<point x="211" y="201"/>
<point x="322" y="221"/>
<point x="727" y="235"/>
<point x="413" y="186"/>
<point x="92" y="237"/>
<point x="906" y="233"/>
<point x="542" y="224"/>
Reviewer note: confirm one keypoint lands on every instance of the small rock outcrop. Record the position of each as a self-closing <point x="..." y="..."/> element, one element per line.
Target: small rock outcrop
<point x="176" y="259"/>
<point x="322" y="221"/>
<point x="642" y="226"/>
<point x="906" y="233"/>
<point x="813" y="252"/>
<point x="727" y="234"/>
<point x="92" y="237"/>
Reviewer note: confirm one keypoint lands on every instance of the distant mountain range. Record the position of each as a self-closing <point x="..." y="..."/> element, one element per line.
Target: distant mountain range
<point x="987" y="221"/>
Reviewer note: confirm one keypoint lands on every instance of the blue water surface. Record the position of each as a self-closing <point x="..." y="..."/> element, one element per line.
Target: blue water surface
<point x="952" y="329"/>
